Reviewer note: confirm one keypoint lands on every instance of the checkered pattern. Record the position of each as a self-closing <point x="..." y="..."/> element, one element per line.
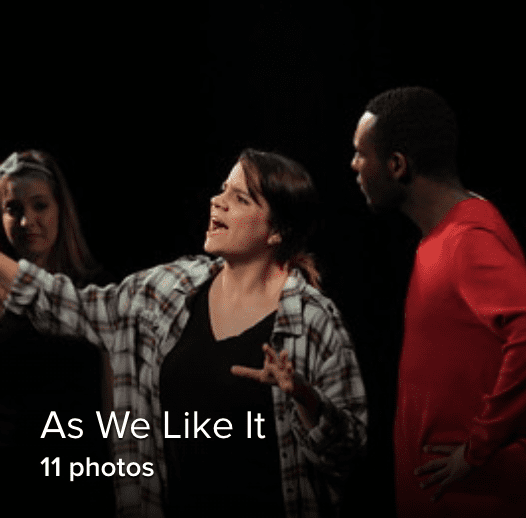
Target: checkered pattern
<point x="140" y="320"/>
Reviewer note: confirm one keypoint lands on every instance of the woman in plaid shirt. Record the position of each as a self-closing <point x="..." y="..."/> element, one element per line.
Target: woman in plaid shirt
<point x="260" y="408"/>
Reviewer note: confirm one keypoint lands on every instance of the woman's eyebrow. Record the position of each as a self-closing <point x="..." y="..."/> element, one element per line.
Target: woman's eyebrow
<point x="238" y="190"/>
<point x="242" y="191"/>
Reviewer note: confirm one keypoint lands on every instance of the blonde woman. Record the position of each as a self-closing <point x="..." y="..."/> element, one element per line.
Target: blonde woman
<point x="42" y="374"/>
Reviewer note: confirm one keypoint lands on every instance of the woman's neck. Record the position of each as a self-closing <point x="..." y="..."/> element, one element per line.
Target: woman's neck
<point x="40" y="260"/>
<point x="259" y="277"/>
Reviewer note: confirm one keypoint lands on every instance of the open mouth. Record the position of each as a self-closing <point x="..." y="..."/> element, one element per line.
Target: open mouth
<point x="216" y="224"/>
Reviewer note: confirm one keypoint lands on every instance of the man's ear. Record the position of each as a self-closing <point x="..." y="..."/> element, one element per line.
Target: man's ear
<point x="398" y="167"/>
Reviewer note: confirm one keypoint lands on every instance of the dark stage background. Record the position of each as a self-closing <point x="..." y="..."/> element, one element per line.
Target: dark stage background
<point x="146" y="110"/>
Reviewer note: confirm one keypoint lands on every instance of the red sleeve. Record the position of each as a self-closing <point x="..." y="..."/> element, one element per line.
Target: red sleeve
<point x="492" y="280"/>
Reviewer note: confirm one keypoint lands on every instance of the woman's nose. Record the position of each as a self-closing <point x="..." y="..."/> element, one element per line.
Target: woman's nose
<point x="26" y="219"/>
<point x="218" y="201"/>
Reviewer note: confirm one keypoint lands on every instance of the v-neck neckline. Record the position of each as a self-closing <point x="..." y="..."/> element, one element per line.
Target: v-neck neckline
<point x="215" y="340"/>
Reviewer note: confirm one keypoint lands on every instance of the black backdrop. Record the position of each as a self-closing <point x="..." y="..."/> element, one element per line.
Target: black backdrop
<point x="146" y="109"/>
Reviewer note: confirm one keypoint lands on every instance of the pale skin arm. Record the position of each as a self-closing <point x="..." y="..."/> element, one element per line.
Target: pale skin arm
<point x="278" y="370"/>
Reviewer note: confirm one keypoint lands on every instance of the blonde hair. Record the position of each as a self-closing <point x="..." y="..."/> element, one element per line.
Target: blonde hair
<point x="70" y="254"/>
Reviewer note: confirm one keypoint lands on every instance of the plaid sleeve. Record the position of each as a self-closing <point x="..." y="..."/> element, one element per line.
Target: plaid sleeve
<point x="332" y="369"/>
<point x="57" y="307"/>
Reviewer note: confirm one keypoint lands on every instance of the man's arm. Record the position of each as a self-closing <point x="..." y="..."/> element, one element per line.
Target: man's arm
<point x="492" y="281"/>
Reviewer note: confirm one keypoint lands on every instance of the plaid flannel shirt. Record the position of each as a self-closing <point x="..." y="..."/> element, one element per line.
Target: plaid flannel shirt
<point x="140" y="320"/>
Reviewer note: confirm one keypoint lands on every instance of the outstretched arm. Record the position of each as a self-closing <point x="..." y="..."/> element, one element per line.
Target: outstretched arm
<point x="56" y="306"/>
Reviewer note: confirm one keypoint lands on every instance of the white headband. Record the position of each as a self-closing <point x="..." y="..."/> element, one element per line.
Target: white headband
<point x="14" y="163"/>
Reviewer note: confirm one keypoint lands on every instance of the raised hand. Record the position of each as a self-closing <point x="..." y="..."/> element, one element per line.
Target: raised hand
<point x="277" y="370"/>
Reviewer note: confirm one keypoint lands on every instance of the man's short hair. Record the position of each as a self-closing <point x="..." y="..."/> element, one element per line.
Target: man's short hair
<point x="418" y="123"/>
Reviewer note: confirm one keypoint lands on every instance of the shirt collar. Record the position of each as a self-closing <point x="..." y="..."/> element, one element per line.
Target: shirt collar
<point x="289" y="319"/>
<point x="191" y="272"/>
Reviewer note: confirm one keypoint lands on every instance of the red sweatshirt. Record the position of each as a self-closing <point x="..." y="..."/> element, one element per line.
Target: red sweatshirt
<point x="462" y="375"/>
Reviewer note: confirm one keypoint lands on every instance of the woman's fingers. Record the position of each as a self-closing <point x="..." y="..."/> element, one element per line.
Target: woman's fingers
<point x="286" y="363"/>
<point x="270" y="353"/>
<point x="277" y="369"/>
<point x="247" y="372"/>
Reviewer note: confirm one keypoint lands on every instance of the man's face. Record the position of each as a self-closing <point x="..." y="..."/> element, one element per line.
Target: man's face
<point x="381" y="190"/>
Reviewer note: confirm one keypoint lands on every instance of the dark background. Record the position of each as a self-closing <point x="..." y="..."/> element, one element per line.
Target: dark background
<point x="145" y="110"/>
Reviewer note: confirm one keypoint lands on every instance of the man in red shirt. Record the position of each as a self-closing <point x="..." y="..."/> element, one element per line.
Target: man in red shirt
<point x="460" y="427"/>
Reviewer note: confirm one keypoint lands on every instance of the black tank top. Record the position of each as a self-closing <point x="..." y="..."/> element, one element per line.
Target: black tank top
<point x="234" y="474"/>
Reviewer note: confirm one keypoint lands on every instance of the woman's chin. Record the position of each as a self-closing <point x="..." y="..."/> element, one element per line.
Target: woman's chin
<point x="209" y="247"/>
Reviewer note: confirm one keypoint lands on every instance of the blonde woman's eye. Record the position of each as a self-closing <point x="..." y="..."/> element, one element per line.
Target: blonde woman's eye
<point x="12" y="210"/>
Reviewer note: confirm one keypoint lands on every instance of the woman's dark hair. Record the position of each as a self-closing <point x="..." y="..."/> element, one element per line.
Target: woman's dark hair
<point x="288" y="189"/>
<point x="418" y="123"/>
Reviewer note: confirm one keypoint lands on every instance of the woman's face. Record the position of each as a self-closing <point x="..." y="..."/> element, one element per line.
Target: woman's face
<point x="239" y="224"/>
<point x="30" y="218"/>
